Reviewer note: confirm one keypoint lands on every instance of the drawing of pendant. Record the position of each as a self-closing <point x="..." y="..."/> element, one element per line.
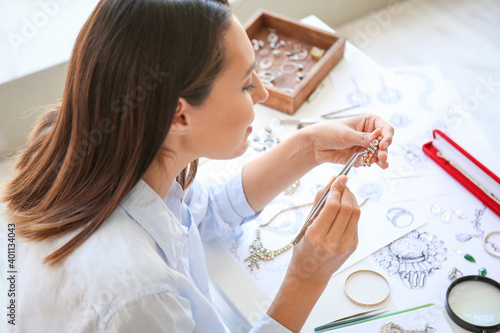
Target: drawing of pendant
<point x="388" y="95"/>
<point x="358" y="97"/>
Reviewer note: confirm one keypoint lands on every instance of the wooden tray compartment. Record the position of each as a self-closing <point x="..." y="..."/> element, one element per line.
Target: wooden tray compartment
<point x="261" y="25"/>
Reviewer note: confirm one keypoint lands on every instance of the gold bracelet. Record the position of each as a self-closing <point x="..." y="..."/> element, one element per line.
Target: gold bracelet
<point x="358" y="302"/>
<point x="485" y="242"/>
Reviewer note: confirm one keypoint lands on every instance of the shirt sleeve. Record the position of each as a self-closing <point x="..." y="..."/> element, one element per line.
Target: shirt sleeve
<point x="267" y="324"/>
<point x="152" y="313"/>
<point x="218" y="209"/>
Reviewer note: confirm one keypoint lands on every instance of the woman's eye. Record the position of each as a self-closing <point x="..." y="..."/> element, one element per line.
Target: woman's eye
<point x="250" y="87"/>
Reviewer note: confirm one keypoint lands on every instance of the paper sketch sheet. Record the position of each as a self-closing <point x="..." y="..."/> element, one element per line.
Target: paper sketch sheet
<point x="415" y="101"/>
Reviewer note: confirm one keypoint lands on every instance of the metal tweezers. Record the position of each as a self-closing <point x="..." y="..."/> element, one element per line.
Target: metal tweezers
<point x="321" y="202"/>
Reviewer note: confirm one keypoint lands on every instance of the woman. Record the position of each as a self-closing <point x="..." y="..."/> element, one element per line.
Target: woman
<point x="108" y="239"/>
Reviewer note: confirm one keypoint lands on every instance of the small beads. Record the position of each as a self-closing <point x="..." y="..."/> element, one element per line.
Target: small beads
<point x="482" y="271"/>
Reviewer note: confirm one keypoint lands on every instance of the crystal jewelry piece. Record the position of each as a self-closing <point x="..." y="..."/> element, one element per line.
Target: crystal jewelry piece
<point x="370" y="151"/>
<point x="435" y="209"/>
<point x="317" y="53"/>
<point x="289" y="67"/>
<point x="391" y="327"/>
<point x="482" y="271"/>
<point x="445" y="216"/>
<point x="267" y="75"/>
<point x="276" y="53"/>
<point x="454" y="273"/>
<point x="266" y="63"/>
<point x="255" y="44"/>
<point x="258" y="251"/>
<point x="264" y="52"/>
<point x="470" y="258"/>
<point x="292" y="188"/>
<point x="299" y="56"/>
<point x="459" y="213"/>
<point x="458" y="250"/>
<point x="495" y="249"/>
<point x="272" y="38"/>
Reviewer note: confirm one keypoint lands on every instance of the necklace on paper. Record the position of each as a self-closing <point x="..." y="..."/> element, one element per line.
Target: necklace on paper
<point x="258" y="251"/>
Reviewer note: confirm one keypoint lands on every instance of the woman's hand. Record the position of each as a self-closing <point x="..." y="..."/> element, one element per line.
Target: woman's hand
<point x="337" y="140"/>
<point x="329" y="240"/>
<point x="331" y="237"/>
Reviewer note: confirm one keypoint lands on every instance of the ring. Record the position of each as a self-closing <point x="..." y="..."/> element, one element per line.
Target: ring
<point x="352" y="290"/>
<point x="454" y="273"/>
<point x="289" y="67"/>
<point x="267" y="75"/>
<point x="400" y="217"/>
<point x="485" y="242"/>
<point x="255" y="44"/>
<point x="266" y="63"/>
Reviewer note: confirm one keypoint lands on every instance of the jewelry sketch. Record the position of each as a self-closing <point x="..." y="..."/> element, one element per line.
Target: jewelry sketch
<point x="429" y="87"/>
<point x="476" y="224"/>
<point x="388" y="95"/>
<point x="399" y="121"/>
<point x="414" y="258"/>
<point x="400" y="217"/>
<point x="371" y="191"/>
<point x="358" y="97"/>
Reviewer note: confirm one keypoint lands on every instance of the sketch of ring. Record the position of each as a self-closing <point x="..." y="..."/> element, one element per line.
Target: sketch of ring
<point x="400" y="217"/>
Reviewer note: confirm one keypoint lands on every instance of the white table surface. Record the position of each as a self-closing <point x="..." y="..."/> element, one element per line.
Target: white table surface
<point x="236" y="287"/>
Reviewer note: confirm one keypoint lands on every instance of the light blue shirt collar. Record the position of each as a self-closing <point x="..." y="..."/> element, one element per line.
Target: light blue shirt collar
<point x="146" y="207"/>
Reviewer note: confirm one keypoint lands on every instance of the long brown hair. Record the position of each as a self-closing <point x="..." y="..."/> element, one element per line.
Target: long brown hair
<point x="131" y="62"/>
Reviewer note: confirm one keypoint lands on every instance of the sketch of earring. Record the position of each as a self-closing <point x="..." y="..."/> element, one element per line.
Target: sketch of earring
<point x="399" y="120"/>
<point x="400" y="217"/>
<point x="291" y="189"/>
<point x="388" y="95"/>
<point x="357" y="97"/>
<point x="391" y="327"/>
<point x="429" y="87"/>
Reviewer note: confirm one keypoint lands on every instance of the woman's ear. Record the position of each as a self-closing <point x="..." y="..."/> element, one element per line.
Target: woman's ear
<point x="182" y="118"/>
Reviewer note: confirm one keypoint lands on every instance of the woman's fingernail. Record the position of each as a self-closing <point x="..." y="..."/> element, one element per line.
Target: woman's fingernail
<point x="386" y="145"/>
<point x="343" y="180"/>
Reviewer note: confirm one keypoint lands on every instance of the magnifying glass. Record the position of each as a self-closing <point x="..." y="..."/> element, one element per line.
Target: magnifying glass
<point x="473" y="303"/>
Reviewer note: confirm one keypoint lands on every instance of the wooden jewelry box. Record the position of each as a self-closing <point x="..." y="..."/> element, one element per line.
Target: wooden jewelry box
<point x="285" y="40"/>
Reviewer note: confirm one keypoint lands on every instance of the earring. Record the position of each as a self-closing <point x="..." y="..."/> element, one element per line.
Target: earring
<point x="370" y="151"/>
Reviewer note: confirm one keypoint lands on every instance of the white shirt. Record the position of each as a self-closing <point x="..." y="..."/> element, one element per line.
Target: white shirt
<point x="142" y="270"/>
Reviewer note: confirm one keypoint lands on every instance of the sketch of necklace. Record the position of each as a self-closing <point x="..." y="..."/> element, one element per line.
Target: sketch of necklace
<point x="429" y="87"/>
<point x="388" y="95"/>
<point x="476" y="224"/>
<point x="358" y="97"/>
<point x="413" y="257"/>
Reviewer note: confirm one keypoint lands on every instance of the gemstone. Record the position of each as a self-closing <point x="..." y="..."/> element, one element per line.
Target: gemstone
<point x="482" y="271"/>
<point x="470" y="258"/>
<point x="375" y="143"/>
<point x="457" y="249"/>
<point x="435" y="209"/>
<point x="463" y="237"/>
<point x="445" y="217"/>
